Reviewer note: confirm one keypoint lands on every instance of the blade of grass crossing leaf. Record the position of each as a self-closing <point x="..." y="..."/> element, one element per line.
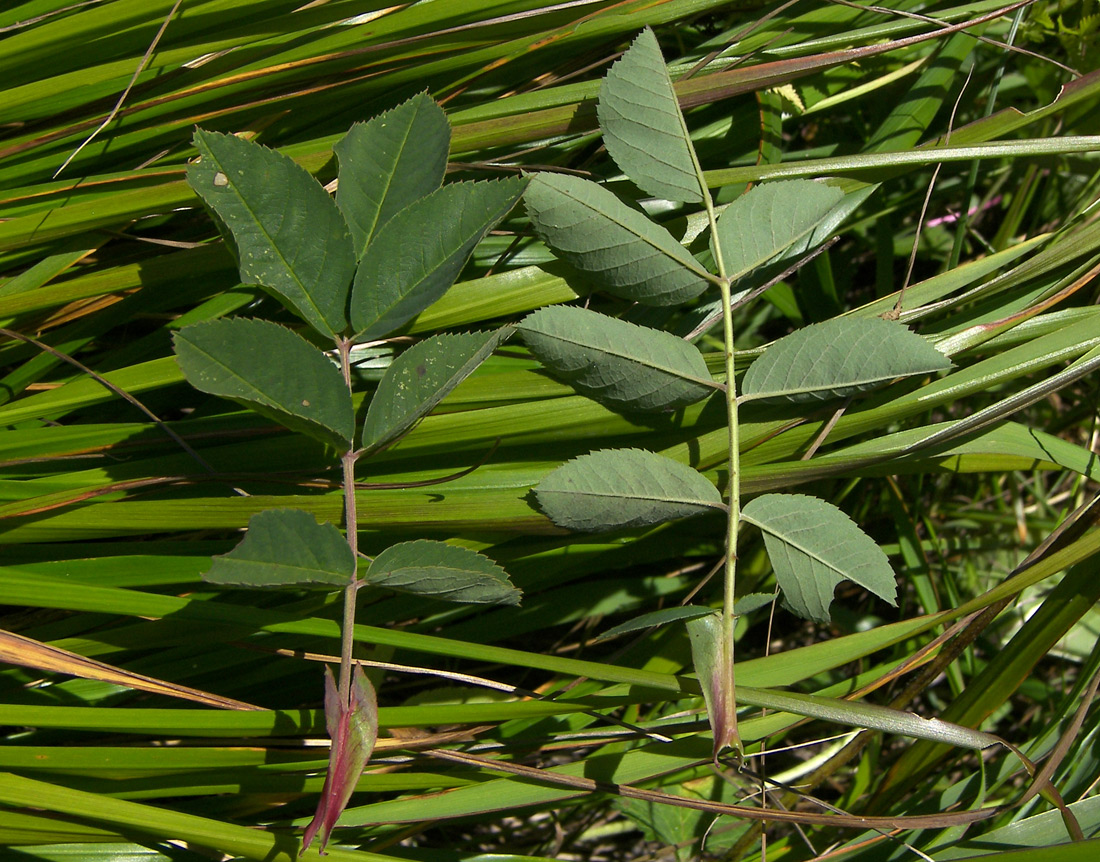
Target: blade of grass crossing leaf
<point x="442" y="571"/>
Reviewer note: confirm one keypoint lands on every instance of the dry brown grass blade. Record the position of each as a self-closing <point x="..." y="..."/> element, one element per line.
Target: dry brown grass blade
<point x="23" y="651"/>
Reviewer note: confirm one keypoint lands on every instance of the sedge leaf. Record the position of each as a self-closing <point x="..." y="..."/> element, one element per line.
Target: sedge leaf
<point x="655" y="618"/>
<point x="643" y="126"/>
<point x="839" y="357"/>
<point x="303" y="390"/>
<point x="286" y="547"/>
<point x="353" y="729"/>
<point x="619" y="247"/>
<point x="616" y="488"/>
<point x="441" y="571"/>
<point x="813" y="546"/>
<point x="712" y="658"/>
<point x="420" y="378"/>
<point x="417" y="255"/>
<point x="389" y="162"/>
<point x="621" y="364"/>
<point x="767" y="220"/>
<point x="289" y="234"/>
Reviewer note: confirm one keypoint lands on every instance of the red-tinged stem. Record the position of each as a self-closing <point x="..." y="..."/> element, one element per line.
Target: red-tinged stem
<point x="351" y="521"/>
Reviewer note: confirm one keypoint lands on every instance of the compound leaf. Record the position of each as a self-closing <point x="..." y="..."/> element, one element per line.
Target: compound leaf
<point x="448" y="572"/>
<point x="420" y="378"/>
<point x="417" y="255"/>
<point x="289" y="234"/>
<point x="623" y="250"/>
<point x="389" y="162"/>
<point x="621" y="364"/>
<point x="840" y="357"/>
<point x="769" y="219"/>
<point x="286" y="547"/>
<point x="643" y="126"/>
<point x="616" y="488"/>
<point x="302" y="389"/>
<point x="813" y="546"/>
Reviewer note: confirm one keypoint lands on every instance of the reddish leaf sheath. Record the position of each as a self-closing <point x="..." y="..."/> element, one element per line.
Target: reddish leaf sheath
<point x="353" y="729"/>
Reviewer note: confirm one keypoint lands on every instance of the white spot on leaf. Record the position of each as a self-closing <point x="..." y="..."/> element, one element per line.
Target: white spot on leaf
<point x="221" y="179"/>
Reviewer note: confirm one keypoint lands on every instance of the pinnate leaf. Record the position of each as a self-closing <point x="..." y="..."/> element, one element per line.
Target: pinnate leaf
<point x="420" y="378"/>
<point x="389" y="162"/>
<point x="621" y="364"/>
<point x="643" y="126"/>
<point x="442" y="571"/>
<point x="839" y="357"/>
<point x="813" y="546"/>
<point x="712" y="658"/>
<point x="417" y="255"/>
<point x="769" y="219"/>
<point x="286" y="547"/>
<point x="656" y="618"/>
<point x="289" y="234"/>
<point x="616" y="488"/>
<point x="302" y="390"/>
<point x="353" y="729"/>
<point x="619" y="247"/>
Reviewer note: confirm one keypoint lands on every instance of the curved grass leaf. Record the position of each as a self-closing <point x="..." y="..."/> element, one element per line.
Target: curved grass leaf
<point x="286" y="547"/>
<point x="617" y="488"/>
<point x="839" y="357"/>
<point x="303" y="390"/>
<point x="442" y="571"/>
<point x="417" y="255"/>
<point x="420" y="378"/>
<point x="813" y="546"/>
<point x="656" y="618"/>
<point x="712" y="659"/>
<point x="353" y="729"/>
<point x="289" y="234"/>
<point x="621" y="364"/>
<point x="643" y="126"/>
<point x="623" y="250"/>
<point x="389" y="162"/>
<point x="769" y="219"/>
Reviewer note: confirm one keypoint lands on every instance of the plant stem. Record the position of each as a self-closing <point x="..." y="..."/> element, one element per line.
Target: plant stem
<point x="733" y="463"/>
<point x="347" y="461"/>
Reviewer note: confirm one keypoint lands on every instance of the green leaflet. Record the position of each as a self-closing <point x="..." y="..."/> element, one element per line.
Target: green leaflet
<point x="598" y="234"/>
<point x="389" y="162"/>
<point x="303" y="390"/>
<point x="769" y="219"/>
<point x="420" y="378"/>
<point x="442" y="571"/>
<point x="616" y="488"/>
<point x="643" y="126"/>
<point x="289" y="234"/>
<point x="417" y="255"/>
<point x="286" y="547"/>
<point x="621" y="364"/>
<point x="839" y="357"/>
<point x="813" y="546"/>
